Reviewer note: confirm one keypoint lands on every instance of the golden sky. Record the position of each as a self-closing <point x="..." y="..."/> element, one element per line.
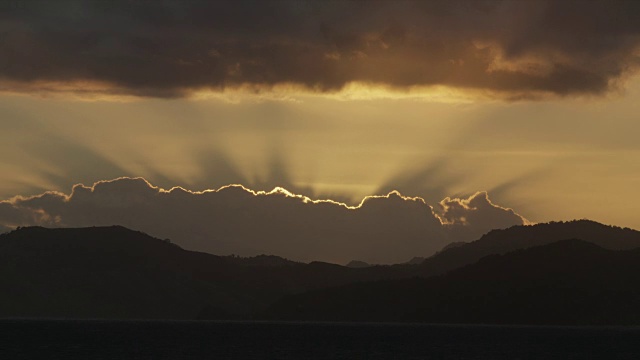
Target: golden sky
<point x="550" y="160"/>
<point x="535" y="102"/>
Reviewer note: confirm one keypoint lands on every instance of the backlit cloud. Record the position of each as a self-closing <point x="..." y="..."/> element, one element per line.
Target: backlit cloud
<point x="512" y="49"/>
<point x="233" y="219"/>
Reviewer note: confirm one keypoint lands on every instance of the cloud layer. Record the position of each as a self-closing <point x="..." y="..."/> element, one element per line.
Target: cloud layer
<point x="236" y="220"/>
<point x="172" y="48"/>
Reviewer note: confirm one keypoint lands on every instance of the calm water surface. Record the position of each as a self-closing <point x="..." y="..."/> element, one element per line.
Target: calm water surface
<point x="67" y="339"/>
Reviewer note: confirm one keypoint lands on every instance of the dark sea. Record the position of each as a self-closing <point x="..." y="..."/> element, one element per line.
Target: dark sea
<point x="68" y="339"/>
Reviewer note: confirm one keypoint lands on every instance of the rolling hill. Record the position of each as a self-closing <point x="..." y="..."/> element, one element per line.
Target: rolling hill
<point x="569" y="282"/>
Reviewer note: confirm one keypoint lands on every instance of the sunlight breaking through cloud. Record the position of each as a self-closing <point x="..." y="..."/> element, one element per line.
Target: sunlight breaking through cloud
<point x="233" y="219"/>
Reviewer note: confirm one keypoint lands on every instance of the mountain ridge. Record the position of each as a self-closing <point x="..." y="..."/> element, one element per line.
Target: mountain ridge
<point x="568" y="282"/>
<point x="501" y="241"/>
<point x="114" y="272"/>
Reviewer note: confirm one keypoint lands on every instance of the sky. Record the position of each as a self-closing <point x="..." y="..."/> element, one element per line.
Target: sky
<point x="531" y="103"/>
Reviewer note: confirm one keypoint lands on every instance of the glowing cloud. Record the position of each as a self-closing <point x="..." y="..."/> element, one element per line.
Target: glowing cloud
<point x="233" y="219"/>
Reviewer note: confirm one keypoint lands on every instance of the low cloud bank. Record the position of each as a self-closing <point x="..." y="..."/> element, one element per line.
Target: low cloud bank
<point x="236" y="220"/>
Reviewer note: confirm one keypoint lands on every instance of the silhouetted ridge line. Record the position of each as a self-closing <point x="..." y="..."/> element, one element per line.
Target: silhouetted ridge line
<point x="525" y="236"/>
<point x="569" y="282"/>
<point x="114" y="272"/>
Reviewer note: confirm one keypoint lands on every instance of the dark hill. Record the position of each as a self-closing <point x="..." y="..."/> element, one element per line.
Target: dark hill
<point x="356" y="264"/>
<point x="113" y="272"/>
<point x="107" y="272"/>
<point x="525" y="236"/>
<point x="567" y="282"/>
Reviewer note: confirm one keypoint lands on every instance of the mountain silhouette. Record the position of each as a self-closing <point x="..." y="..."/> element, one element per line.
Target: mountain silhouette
<point x="114" y="272"/>
<point x="517" y="237"/>
<point x="356" y="264"/>
<point x="569" y="282"/>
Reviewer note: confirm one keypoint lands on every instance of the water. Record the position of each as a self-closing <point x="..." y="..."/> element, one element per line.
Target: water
<point x="66" y="339"/>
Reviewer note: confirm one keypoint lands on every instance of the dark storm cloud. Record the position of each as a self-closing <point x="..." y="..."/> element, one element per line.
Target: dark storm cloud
<point x="169" y="48"/>
<point x="382" y="229"/>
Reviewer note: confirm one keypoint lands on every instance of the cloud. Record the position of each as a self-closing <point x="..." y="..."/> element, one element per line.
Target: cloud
<point x="233" y="219"/>
<point x="172" y="48"/>
<point x="476" y="214"/>
<point x="429" y="180"/>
